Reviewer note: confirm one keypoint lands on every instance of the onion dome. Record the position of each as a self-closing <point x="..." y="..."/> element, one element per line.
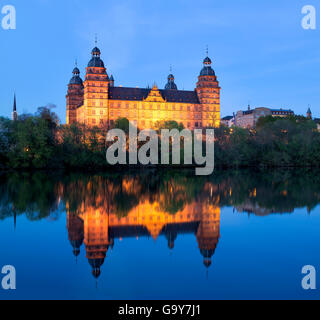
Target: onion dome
<point x="76" y="77"/>
<point x="207" y="61"/>
<point x="171" y="85"/>
<point x="207" y="263"/>
<point x="207" y="256"/>
<point x="207" y="69"/>
<point x="96" y="265"/>
<point x="171" y="236"/>
<point x="95" y="60"/>
<point x="96" y="52"/>
<point x="76" y="245"/>
<point x="76" y="71"/>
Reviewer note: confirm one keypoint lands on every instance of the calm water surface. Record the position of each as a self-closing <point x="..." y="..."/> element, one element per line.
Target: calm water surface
<point x="160" y="235"/>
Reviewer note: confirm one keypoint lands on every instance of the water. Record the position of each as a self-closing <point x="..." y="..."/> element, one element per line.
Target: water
<point x="160" y="235"/>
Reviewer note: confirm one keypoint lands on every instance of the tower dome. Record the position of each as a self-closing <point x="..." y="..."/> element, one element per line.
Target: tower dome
<point x="207" y="61"/>
<point x="96" y="51"/>
<point x="95" y="60"/>
<point x="207" y="69"/>
<point x="76" y="77"/>
<point x="171" y="85"/>
<point x="76" y="71"/>
<point x="96" y="266"/>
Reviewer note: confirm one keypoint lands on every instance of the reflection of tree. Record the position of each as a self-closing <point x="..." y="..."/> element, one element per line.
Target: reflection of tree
<point x="34" y="195"/>
<point x="41" y="195"/>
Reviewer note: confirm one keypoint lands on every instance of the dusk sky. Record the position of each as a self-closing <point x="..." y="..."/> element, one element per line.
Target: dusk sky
<point x="259" y="50"/>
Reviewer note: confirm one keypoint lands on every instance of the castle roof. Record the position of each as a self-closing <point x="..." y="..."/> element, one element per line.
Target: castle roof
<point x="142" y="231"/>
<point x="96" y="62"/>
<point x="207" y="71"/>
<point x="139" y="94"/>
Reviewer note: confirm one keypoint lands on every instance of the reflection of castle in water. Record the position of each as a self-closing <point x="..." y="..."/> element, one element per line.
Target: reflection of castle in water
<point x="98" y="227"/>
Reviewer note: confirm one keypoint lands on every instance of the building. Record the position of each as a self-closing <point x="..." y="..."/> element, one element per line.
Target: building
<point x="98" y="102"/>
<point x="282" y="113"/>
<point x="228" y="121"/>
<point x="309" y="114"/>
<point x="98" y="223"/>
<point x="249" y="118"/>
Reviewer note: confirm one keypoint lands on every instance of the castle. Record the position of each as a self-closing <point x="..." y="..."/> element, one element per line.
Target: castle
<point x="98" y="221"/>
<point x="98" y="102"/>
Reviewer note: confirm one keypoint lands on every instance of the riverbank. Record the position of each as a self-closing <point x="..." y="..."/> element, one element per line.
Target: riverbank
<point x="39" y="142"/>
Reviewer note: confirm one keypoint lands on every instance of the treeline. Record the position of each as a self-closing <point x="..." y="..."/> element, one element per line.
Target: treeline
<point x="275" y="142"/>
<point x="39" y="142"/>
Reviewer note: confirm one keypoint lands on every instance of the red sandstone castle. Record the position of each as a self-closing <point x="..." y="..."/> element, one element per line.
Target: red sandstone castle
<point x="98" y="102"/>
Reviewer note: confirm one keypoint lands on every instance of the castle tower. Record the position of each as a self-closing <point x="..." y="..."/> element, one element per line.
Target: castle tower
<point x="75" y="232"/>
<point x="74" y="96"/>
<point x="309" y="114"/>
<point x="171" y="85"/>
<point x="111" y="83"/>
<point x="14" y="112"/>
<point x="208" y="91"/>
<point x="96" y="91"/>
<point x="209" y="232"/>
<point x="96" y="238"/>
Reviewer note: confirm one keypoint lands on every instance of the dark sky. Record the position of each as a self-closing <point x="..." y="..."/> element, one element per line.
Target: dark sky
<point x="259" y="50"/>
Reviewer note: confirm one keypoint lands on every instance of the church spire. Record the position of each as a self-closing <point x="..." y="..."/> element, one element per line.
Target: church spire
<point x="15" y="103"/>
<point x="14" y="112"/>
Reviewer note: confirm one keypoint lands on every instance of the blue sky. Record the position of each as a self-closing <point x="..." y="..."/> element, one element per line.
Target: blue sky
<point x="259" y="50"/>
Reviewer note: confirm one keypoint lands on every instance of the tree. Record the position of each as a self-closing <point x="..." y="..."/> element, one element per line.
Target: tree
<point x="123" y="124"/>
<point x="159" y="125"/>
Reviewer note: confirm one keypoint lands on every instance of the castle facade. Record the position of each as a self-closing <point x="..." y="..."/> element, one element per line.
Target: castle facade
<point x="98" y="102"/>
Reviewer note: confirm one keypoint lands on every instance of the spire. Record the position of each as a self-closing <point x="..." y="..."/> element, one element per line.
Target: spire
<point x="15" y="104"/>
<point x="96" y="39"/>
<point x="309" y="112"/>
<point x="111" y="83"/>
<point x="14" y="112"/>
